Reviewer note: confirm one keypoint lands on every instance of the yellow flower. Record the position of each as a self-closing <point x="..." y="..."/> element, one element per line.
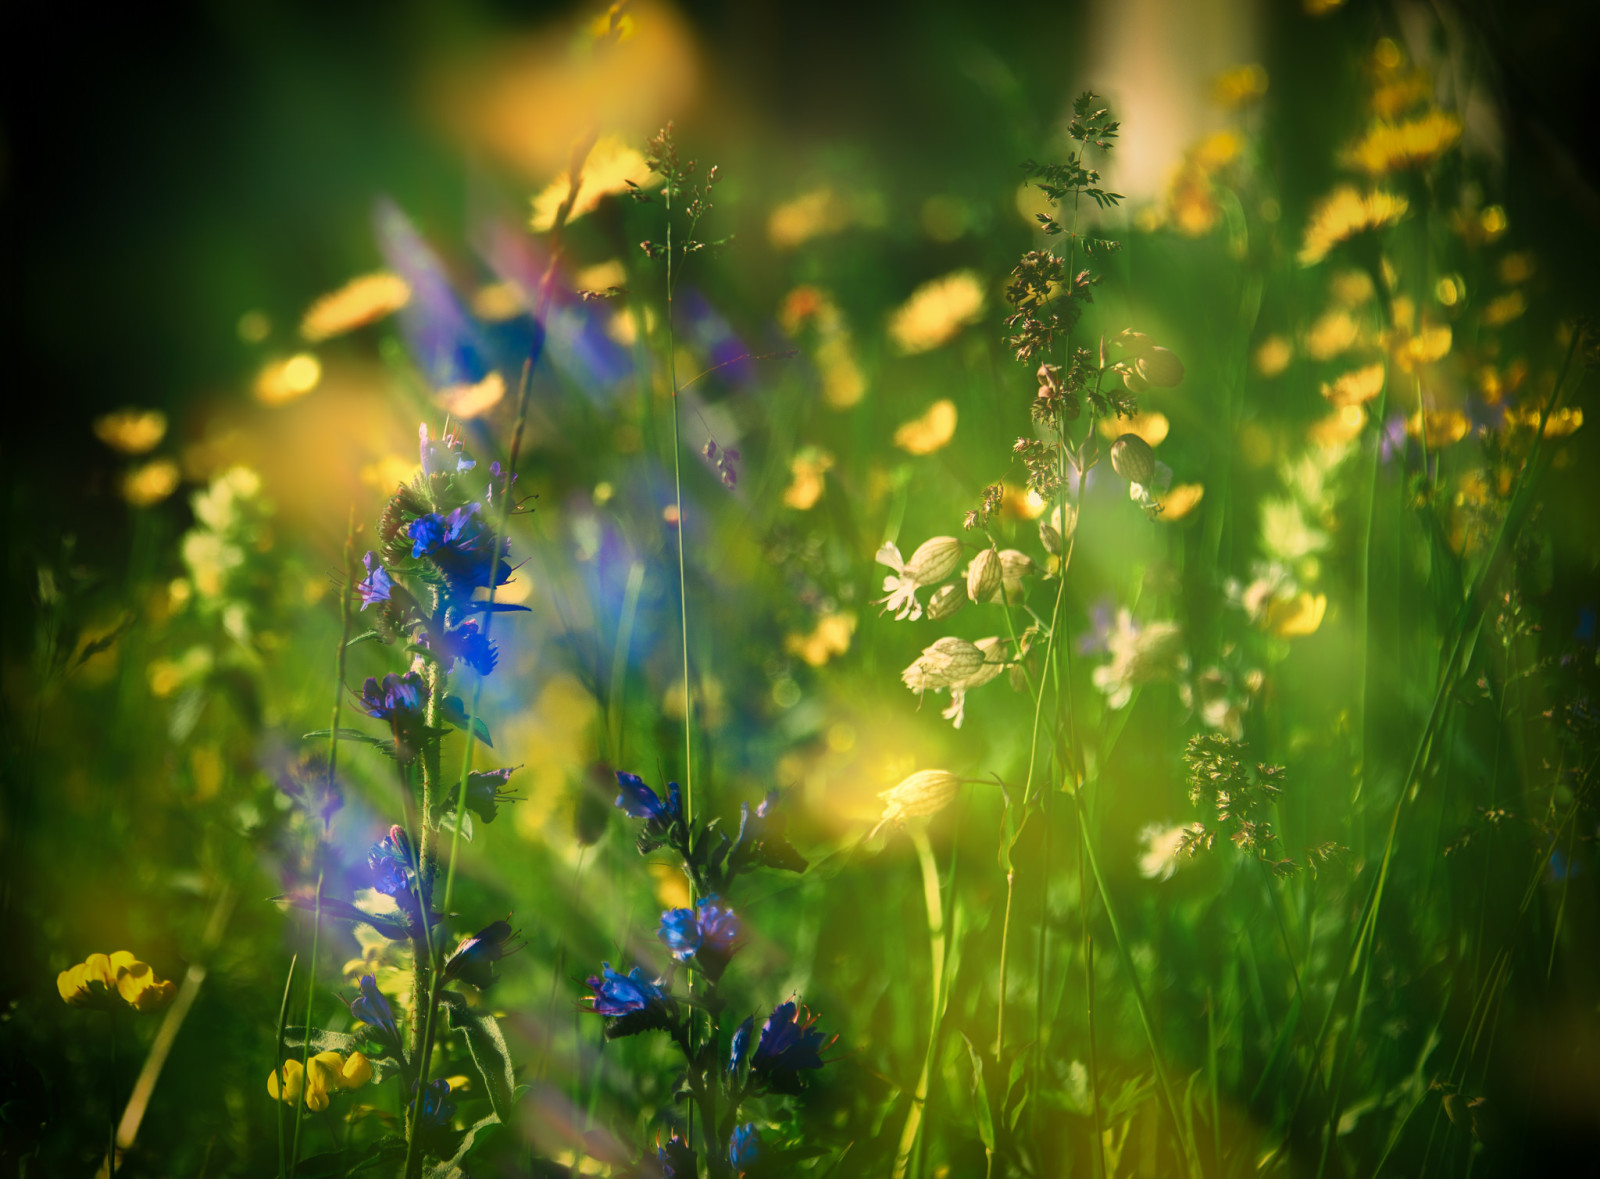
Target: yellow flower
<point x="831" y="637"/>
<point x="1331" y="333"/>
<point x="1562" y="421"/>
<point x="151" y="483"/>
<point x="808" y="467"/>
<point x="281" y="381"/>
<point x="930" y="432"/>
<point x="101" y="980"/>
<point x="610" y="166"/>
<point x="1502" y="309"/>
<point x="1394" y="147"/>
<point x="1180" y="501"/>
<point x="1357" y="387"/>
<point x="1444" y="427"/>
<point x="1345" y="214"/>
<point x="1150" y="426"/>
<point x="936" y="311"/>
<point x="1273" y="355"/>
<point x="132" y="431"/>
<point x="809" y="215"/>
<point x="1300" y="615"/>
<point x="471" y="401"/>
<point x="1429" y="344"/>
<point x="324" y="1073"/>
<point x="359" y="302"/>
<point x="1240" y="86"/>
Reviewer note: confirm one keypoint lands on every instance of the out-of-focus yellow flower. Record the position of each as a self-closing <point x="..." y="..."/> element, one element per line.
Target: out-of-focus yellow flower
<point x="1331" y="333"/>
<point x="132" y="431"/>
<point x="1429" y="344"/>
<point x="617" y="25"/>
<point x="1345" y="214"/>
<point x="1395" y="147"/>
<point x="807" y="468"/>
<point x="1297" y="616"/>
<point x="1180" y="501"/>
<point x="324" y="1073"/>
<point x="1444" y="426"/>
<point x="1321" y="7"/>
<point x="150" y="483"/>
<point x="672" y="887"/>
<point x="812" y="214"/>
<point x="283" y="381"/>
<point x="1240" y="86"/>
<point x="810" y="307"/>
<point x="611" y="164"/>
<point x="936" y="311"/>
<point x="1150" y="426"/>
<point x="470" y="401"/>
<point x="1400" y="90"/>
<point x="166" y="676"/>
<point x="1502" y="309"/>
<point x="1516" y="268"/>
<point x="498" y="301"/>
<point x="1339" y="428"/>
<point x="105" y="982"/>
<point x="1356" y="387"/>
<point x="1479" y="226"/>
<point x="359" y="302"/>
<point x="1562" y="421"/>
<point x="389" y="472"/>
<point x="930" y="432"/>
<point x="1350" y="288"/>
<point x="1273" y="355"/>
<point x="830" y="637"/>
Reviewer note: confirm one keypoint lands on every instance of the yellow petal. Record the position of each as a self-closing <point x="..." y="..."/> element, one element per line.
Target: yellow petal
<point x="357" y="1071"/>
<point x="293" y="1082"/>
<point x="1297" y="616"/>
<point x="932" y="431"/>
<point x="359" y="302"/>
<point x="1152" y="427"/>
<point x="1180" y="501"/>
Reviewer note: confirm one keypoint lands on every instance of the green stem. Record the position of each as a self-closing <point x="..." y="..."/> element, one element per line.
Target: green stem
<point x="930" y="893"/>
<point x="283" y="1077"/>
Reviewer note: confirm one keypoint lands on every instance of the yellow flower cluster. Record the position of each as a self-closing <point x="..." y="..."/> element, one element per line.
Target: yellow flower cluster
<point x="324" y="1073"/>
<point x="1415" y="143"/>
<point x="1347" y="213"/>
<point x="104" y="982"/>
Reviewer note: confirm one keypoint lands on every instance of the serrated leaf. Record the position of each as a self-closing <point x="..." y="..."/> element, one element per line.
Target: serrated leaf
<point x="451" y="1168"/>
<point x="489" y="1051"/>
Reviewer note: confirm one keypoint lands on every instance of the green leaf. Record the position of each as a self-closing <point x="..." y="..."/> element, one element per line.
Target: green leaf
<point x="389" y="1149"/>
<point x="489" y="1051"/>
<point x="980" y="1097"/>
<point x="344" y="735"/>
<point x="451" y="1167"/>
<point x="444" y="820"/>
<point x="365" y="636"/>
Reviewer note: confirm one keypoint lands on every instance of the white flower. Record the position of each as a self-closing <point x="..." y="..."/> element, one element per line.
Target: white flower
<point x="1139" y="655"/>
<point x="1162" y="846"/>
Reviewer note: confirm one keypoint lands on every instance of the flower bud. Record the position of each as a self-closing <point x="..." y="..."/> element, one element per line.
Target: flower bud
<point x="1133" y="382"/>
<point x="983" y="576"/>
<point x="923" y="793"/>
<point x="946" y="600"/>
<point x="1014" y="566"/>
<point x="934" y="560"/>
<point x="1133" y="343"/>
<point x="1161" y="367"/>
<point x="946" y="662"/>
<point x="1132" y="458"/>
<point x="994" y="662"/>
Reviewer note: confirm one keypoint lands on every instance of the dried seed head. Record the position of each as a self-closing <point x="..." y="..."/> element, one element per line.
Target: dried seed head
<point x="1132" y="458"/>
<point x="1161" y="367"/>
<point x="945" y="663"/>
<point x="923" y="793"/>
<point x="934" y="560"/>
<point x="946" y="600"/>
<point x="983" y="576"/>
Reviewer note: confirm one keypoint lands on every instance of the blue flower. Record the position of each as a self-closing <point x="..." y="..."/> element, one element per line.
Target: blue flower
<point x="638" y="801"/>
<point x="709" y="934"/>
<point x="436" y="1107"/>
<point x="622" y="994"/>
<point x="377" y="586"/>
<point x="485" y="792"/>
<point x="373" y="1010"/>
<point x="744" y="1148"/>
<point x="788" y="1045"/>
<point x="763" y="838"/>
<point x="460" y="547"/>
<point x="739" y="1050"/>
<point x="677" y="1159"/>
<point x="466" y="643"/>
<point x="474" y="958"/>
<point x="398" y="699"/>
<point x="393" y="865"/>
<point x="630" y="1002"/>
<point x="443" y="456"/>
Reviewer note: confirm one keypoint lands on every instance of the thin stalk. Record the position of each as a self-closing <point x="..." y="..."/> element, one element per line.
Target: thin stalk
<point x="283" y="1077"/>
<point x="1088" y="990"/>
<point x="930" y="894"/>
<point x="677" y="492"/>
<point x="111" y="1093"/>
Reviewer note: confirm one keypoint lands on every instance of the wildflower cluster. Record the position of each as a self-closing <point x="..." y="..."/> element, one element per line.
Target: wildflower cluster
<point x="107" y="982"/>
<point x="723" y="1070"/>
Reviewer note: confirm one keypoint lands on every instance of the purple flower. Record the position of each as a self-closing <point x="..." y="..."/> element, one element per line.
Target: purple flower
<point x="442" y="456"/>
<point x="744" y="1147"/>
<point x="788" y="1045"/>
<point x="372" y="1009"/>
<point x="466" y="643"/>
<point x="630" y="1002"/>
<point x="436" y="1108"/>
<point x="393" y="865"/>
<point x="485" y="793"/>
<point x="377" y="586"/>
<point x="739" y="1049"/>
<point x="638" y="801"/>
<point x="475" y="957"/>
<point x="397" y="699"/>
<point x="460" y="546"/>
<point x="708" y="934"/>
